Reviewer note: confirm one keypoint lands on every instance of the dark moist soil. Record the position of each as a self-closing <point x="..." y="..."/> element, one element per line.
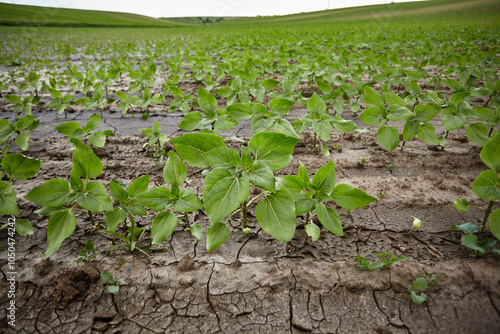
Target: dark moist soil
<point x="255" y="284"/>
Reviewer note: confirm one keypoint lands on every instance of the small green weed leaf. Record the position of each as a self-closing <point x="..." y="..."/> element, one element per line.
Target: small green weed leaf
<point x="196" y="231"/>
<point x="187" y="202"/>
<point x="372" y="98"/>
<point x="461" y="204"/>
<point x="418" y="299"/>
<point x="174" y="171"/>
<point x="222" y="157"/>
<point x="60" y="226"/>
<point x="388" y="137"/>
<point x="217" y="234"/>
<point x="52" y="193"/>
<point x="466" y="228"/>
<point x="427" y="133"/>
<point x="223" y="193"/>
<point x="108" y="277"/>
<point x="67" y="128"/>
<point x="157" y="199"/>
<point x="163" y="226"/>
<point x="138" y="186"/>
<point x="490" y="154"/>
<point x="191" y="147"/>
<point x="477" y="133"/>
<point x="95" y="198"/>
<point x="23" y="227"/>
<point x="351" y="198"/>
<point x="262" y="176"/>
<point x="273" y="149"/>
<point x="420" y="284"/>
<point x="191" y="121"/>
<point x="113" y="289"/>
<point x="276" y="215"/>
<point x="486" y="185"/>
<point x="85" y="163"/>
<point x="19" y="166"/>
<point x="330" y="219"/>
<point x="113" y="218"/>
<point x="324" y="179"/>
<point x="316" y="106"/>
<point x="313" y="231"/>
<point x="494" y="223"/>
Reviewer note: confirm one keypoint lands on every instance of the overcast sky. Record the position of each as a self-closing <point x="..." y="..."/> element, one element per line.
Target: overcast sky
<point x="172" y="8"/>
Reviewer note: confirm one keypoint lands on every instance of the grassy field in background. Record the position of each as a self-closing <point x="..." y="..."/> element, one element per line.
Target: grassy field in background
<point x="49" y="16"/>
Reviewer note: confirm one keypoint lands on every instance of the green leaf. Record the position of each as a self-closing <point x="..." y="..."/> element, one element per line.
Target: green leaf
<point x="8" y="199"/>
<point x="276" y="215"/>
<point x="461" y="204"/>
<point x="22" y="140"/>
<point x="222" y="157"/>
<point x="52" y="193"/>
<point x="157" y="199"/>
<point x="323" y="129"/>
<point x="490" y="154"/>
<point x="372" y="98"/>
<point x="67" y="128"/>
<point x="174" y="171"/>
<point x="316" y="105"/>
<point x="97" y="139"/>
<point x="273" y="149"/>
<point x="138" y="186"/>
<point x="452" y="121"/>
<point x="418" y="299"/>
<point x="191" y="146"/>
<point x="269" y="83"/>
<point x="410" y="129"/>
<point x="281" y="125"/>
<point x="329" y="218"/>
<point x="13" y="99"/>
<point x="466" y="228"/>
<point x="191" y="121"/>
<point x="115" y="217"/>
<point x="225" y="122"/>
<point x="370" y="116"/>
<point x="399" y="113"/>
<point x="93" y="122"/>
<point x="60" y="226"/>
<point x="113" y="289"/>
<point x="187" y="202"/>
<point x="477" y="133"/>
<point x="95" y="198"/>
<point x="241" y="111"/>
<point x="427" y="133"/>
<point x="108" y="277"/>
<point x="426" y="112"/>
<point x="388" y="137"/>
<point x="163" y="226"/>
<point x="342" y="125"/>
<point x="19" y="166"/>
<point x="262" y="176"/>
<point x="351" y="198"/>
<point x="324" y="179"/>
<point x="486" y="185"/>
<point x="196" y="231"/>
<point x="118" y="193"/>
<point x="207" y="101"/>
<point x="313" y="231"/>
<point x="470" y="241"/>
<point x="280" y="106"/>
<point x="23" y="227"/>
<point x="223" y="193"/>
<point x="494" y="223"/>
<point x="85" y="163"/>
<point x="420" y="284"/>
<point x="217" y="234"/>
<point x="393" y="99"/>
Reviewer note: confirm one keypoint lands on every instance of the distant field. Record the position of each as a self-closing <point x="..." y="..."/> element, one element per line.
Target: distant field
<point x="48" y="16"/>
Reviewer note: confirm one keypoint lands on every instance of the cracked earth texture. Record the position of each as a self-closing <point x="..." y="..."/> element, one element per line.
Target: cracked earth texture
<point x="253" y="283"/>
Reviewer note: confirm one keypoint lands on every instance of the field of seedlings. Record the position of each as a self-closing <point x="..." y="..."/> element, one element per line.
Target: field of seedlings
<point x="283" y="178"/>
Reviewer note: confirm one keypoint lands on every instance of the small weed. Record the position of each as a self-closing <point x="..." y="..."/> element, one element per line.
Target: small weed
<point x="382" y="194"/>
<point x="420" y="285"/>
<point x="88" y="253"/>
<point x="363" y="143"/>
<point x="389" y="168"/>
<point x="114" y="284"/>
<point x="456" y="171"/>
<point x="380" y="260"/>
<point x="362" y="163"/>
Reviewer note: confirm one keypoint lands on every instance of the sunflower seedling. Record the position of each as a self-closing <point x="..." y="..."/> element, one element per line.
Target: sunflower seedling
<point x="420" y="285"/>
<point x="114" y="285"/>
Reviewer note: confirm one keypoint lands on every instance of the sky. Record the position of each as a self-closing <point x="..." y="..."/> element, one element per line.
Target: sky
<point x="176" y="8"/>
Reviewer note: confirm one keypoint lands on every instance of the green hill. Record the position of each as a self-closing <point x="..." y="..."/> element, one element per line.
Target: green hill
<point x="22" y="15"/>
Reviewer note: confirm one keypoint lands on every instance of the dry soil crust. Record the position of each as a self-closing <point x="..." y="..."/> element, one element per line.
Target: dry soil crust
<point x="253" y="283"/>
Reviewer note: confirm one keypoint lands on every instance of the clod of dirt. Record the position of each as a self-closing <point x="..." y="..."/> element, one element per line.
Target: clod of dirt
<point x="186" y="264"/>
<point x="44" y="267"/>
